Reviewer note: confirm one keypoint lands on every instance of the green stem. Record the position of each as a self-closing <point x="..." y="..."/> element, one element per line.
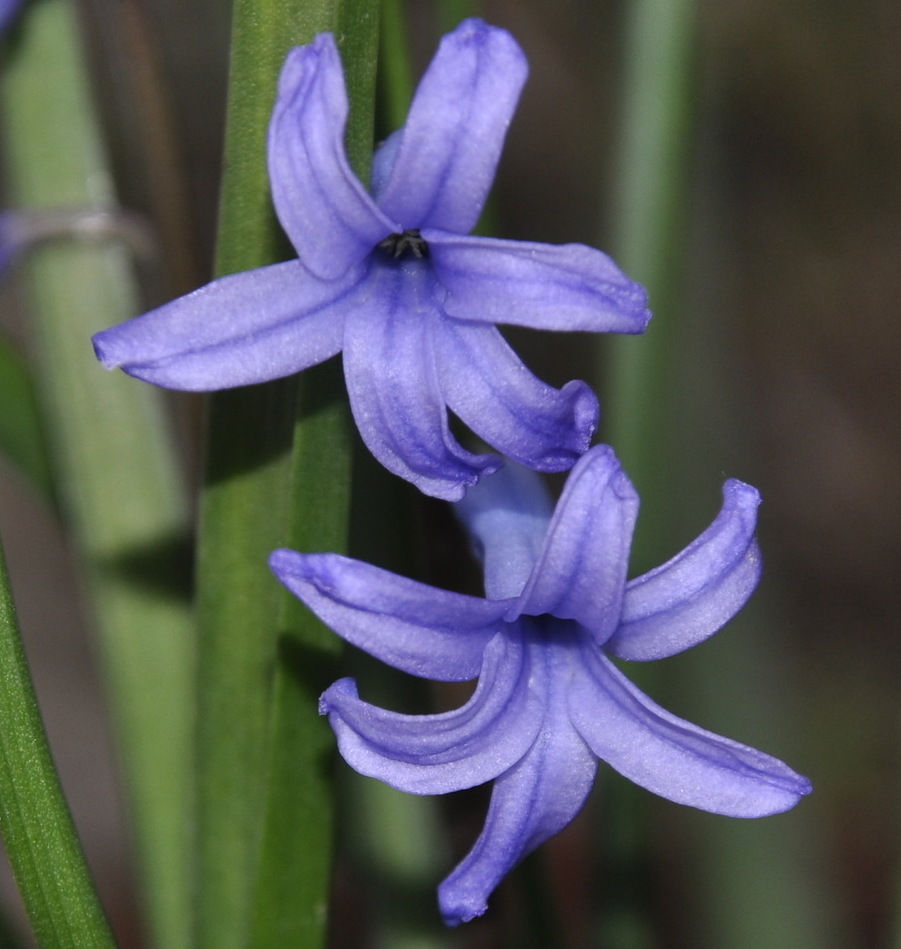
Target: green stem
<point x="264" y="805"/>
<point x="37" y="828"/>
<point x="746" y="886"/>
<point x="397" y="71"/>
<point x="649" y="194"/>
<point x="451" y="13"/>
<point x="118" y="479"/>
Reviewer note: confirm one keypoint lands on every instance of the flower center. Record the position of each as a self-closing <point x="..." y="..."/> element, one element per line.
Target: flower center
<point x="408" y="245"/>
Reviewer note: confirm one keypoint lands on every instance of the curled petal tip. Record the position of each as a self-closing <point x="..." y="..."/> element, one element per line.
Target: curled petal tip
<point x="101" y="351"/>
<point x="743" y="494"/>
<point x="456" y="910"/>
<point x="336" y="693"/>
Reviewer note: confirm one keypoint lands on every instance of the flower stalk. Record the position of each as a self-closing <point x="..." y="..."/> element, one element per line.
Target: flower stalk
<point x="262" y="786"/>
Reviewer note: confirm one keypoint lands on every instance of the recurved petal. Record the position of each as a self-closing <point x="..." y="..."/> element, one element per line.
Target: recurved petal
<point x="581" y="573"/>
<point x="672" y="757"/>
<point x="449" y="148"/>
<point x="542" y="286"/>
<point x="434" y="754"/>
<point x="697" y="592"/>
<point x="245" y="328"/>
<point x="417" y="628"/>
<point x="392" y="381"/>
<point x="329" y="216"/>
<point x="493" y="392"/>
<point x="507" y="516"/>
<point x="530" y="803"/>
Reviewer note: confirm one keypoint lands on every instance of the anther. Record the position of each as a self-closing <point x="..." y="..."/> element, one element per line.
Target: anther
<point x="409" y="244"/>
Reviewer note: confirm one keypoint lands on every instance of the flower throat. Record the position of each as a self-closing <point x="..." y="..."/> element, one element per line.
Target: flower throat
<point x="408" y="245"/>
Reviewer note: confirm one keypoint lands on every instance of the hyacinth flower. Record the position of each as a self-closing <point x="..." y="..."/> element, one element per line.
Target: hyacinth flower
<point x="549" y="701"/>
<point x="393" y="280"/>
<point x="8" y="10"/>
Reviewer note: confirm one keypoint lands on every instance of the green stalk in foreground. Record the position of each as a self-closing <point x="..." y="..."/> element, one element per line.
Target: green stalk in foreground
<point x="115" y="470"/>
<point x="40" y="838"/>
<point x="263" y="800"/>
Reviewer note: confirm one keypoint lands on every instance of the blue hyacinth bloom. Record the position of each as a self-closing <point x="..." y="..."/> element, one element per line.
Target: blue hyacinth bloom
<point x="549" y="701"/>
<point x="392" y="279"/>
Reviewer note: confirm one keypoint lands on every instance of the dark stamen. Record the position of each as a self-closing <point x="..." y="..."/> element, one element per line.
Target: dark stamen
<point x="408" y="244"/>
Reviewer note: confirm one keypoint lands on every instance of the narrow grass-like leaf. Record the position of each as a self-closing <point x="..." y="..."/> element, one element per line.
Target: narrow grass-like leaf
<point x="749" y="898"/>
<point x="118" y="479"/>
<point x="396" y="74"/>
<point x="649" y="196"/>
<point x="37" y="829"/>
<point x="22" y="439"/>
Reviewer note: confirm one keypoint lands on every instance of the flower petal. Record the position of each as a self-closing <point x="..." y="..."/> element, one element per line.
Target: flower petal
<point x="434" y="754"/>
<point x="449" y="148"/>
<point x="329" y="216"/>
<point x="672" y="757"/>
<point x="392" y="381"/>
<point x="581" y="573"/>
<point x="530" y="803"/>
<point x="488" y="386"/>
<point x="542" y="286"/>
<point x="248" y="327"/>
<point x="422" y="630"/>
<point x="697" y="592"/>
<point x="507" y="516"/>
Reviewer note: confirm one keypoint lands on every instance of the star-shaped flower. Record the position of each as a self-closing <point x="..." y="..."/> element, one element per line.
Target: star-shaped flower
<point x="549" y="701"/>
<point x="393" y="280"/>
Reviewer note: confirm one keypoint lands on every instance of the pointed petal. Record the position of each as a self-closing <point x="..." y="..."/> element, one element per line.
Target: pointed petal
<point x="581" y="573"/>
<point x="697" y="592"/>
<point x="392" y="381"/>
<point x="507" y="516"/>
<point x="530" y="803"/>
<point x="449" y="148"/>
<point x="427" y="632"/>
<point x="542" y="286"/>
<point x="434" y="754"/>
<point x="491" y="390"/>
<point x="245" y="328"/>
<point x="331" y="219"/>
<point x="672" y="757"/>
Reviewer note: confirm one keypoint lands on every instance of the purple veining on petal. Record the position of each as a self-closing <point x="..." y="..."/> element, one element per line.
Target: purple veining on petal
<point x="426" y="632"/>
<point x="672" y="757"/>
<point x="433" y="754"/>
<point x="537" y="797"/>
<point x="331" y="220"/>
<point x="487" y="385"/>
<point x="542" y="286"/>
<point x="549" y="702"/>
<point x="454" y="133"/>
<point x="395" y="393"/>
<point x="689" y="598"/>
<point x="244" y="328"/>
<point x="393" y="281"/>
<point x="581" y="572"/>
